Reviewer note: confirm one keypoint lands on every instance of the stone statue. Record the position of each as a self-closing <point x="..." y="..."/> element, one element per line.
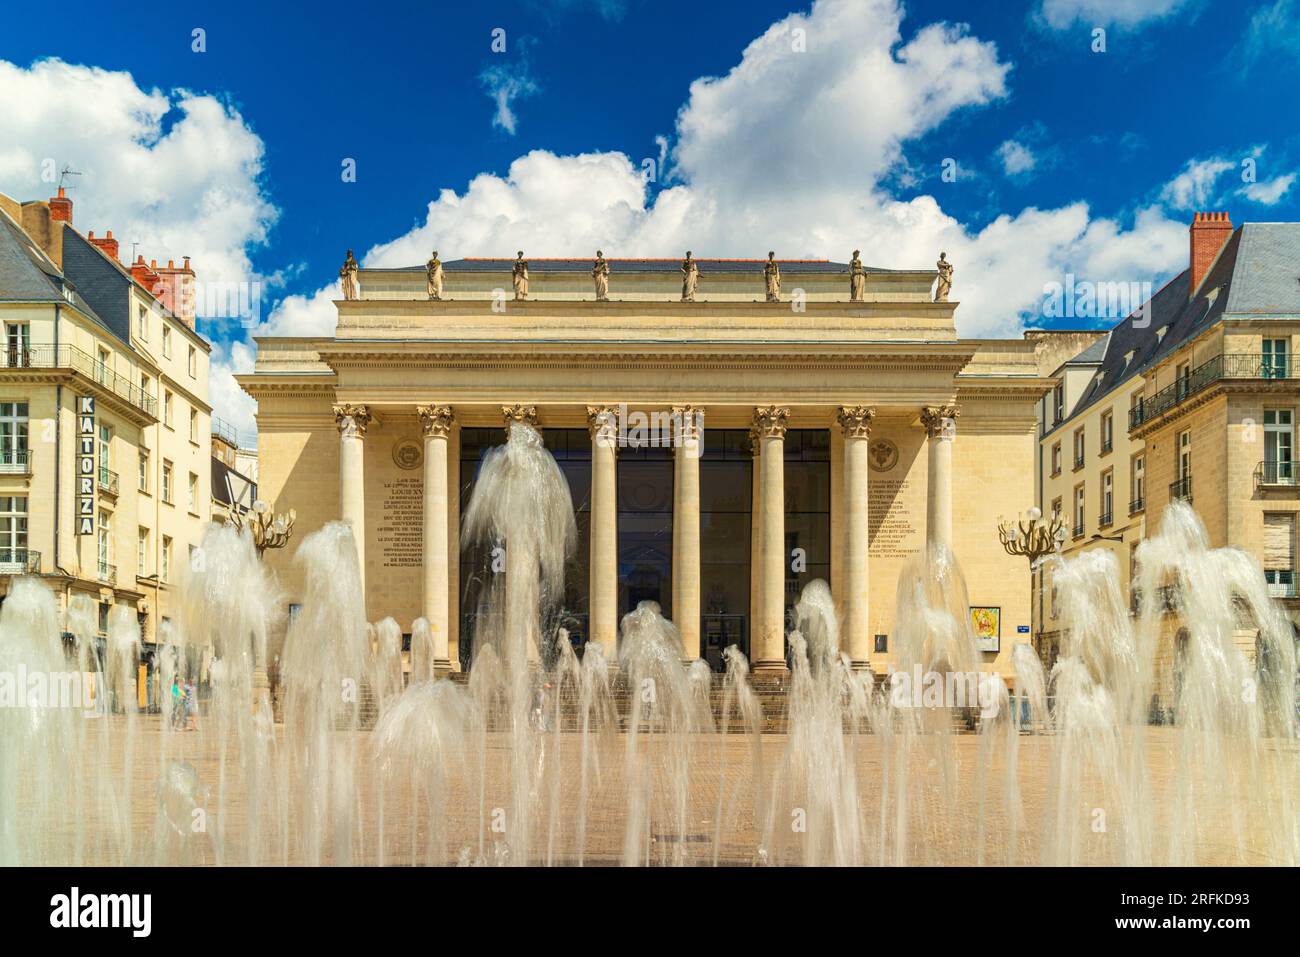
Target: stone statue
<point x="690" y="277"/>
<point x="857" y="278"/>
<point x="600" y="273"/>
<point x="772" y="278"/>
<point x="520" y="275"/>
<point x="348" y="277"/>
<point x="434" y="272"/>
<point x="944" y="285"/>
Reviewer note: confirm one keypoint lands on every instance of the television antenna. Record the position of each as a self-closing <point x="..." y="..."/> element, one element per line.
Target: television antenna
<point x="66" y="172"/>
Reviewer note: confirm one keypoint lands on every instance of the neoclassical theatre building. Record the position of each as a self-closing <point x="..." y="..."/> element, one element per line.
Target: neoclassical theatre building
<point x="833" y="425"/>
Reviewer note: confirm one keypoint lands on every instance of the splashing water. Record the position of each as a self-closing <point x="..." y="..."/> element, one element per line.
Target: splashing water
<point x="1165" y="736"/>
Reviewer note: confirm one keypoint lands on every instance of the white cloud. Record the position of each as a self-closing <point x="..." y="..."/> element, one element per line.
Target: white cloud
<point x="1194" y="186"/>
<point x="1061" y="14"/>
<point x="507" y="82"/>
<point x="1270" y="192"/>
<point x="791" y="151"/>
<point x="189" y="187"/>
<point x="1016" y="158"/>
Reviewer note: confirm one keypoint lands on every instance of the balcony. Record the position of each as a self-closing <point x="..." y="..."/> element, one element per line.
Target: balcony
<point x="1282" y="589"/>
<point x="1078" y="530"/>
<point x="1182" y="489"/>
<point x="20" y="561"/>
<point x="15" y="462"/>
<point x="1078" y="462"/>
<point x="70" y="357"/>
<point x="1137" y="505"/>
<point x="108" y="481"/>
<point x="1106" y="520"/>
<point x="1232" y="366"/>
<point x="1275" y="475"/>
<point x="107" y="573"/>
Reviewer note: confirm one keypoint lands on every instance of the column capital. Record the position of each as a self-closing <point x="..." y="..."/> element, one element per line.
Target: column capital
<point x="770" y="421"/>
<point x="689" y="422"/>
<point x="352" y="420"/>
<point x="602" y="424"/>
<point x="940" y="421"/>
<point x="519" y="414"/>
<point x="436" y="420"/>
<point x="855" y="420"/>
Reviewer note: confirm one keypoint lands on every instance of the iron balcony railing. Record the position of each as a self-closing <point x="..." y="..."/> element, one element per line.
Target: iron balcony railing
<point x="107" y="573"/>
<point x="1106" y="519"/>
<point x="1275" y="474"/>
<point x="1182" y="489"/>
<point x="70" y="357"/>
<point x="225" y="431"/>
<point x="108" y="480"/>
<point x="1282" y="589"/>
<point x="1229" y="366"/>
<point x="1078" y="531"/>
<point x="20" y="561"/>
<point x="15" y="461"/>
<point x="1136" y="505"/>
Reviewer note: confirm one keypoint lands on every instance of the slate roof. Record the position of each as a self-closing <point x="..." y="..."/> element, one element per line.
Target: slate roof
<point x="1256" y="275"/>
<point x="672" y="266"/>
<point x="26" y="273"/>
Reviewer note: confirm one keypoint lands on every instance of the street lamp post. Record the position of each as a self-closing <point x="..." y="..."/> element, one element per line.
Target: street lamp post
<point x="1034" y="538"/>
<point x="269" y="531"/>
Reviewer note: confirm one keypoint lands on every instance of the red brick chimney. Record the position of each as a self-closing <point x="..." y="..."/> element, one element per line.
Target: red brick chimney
<point x="106" y="243"/>
<point x="1208" y="234"/>
<point x="61" y="207"/>
<point x="176" y="290"/>
<point x="144" y="275"/>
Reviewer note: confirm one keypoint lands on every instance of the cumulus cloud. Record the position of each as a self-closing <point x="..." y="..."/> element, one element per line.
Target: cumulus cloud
<point x="1270" y="192"/>
<point x="1195" y="185"/>
<point x="1017" y="159"/>
<point x="1060" y="14"/>
<point x="176" y="172"/>
<point x="792" y="151"/>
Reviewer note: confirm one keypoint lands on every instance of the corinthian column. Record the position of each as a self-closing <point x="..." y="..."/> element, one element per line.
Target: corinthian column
<point x="352" y="422"/>
<point x="602" y="618"/>
<point x="856" y="423"/>
<point x="940" y="423"/>
<point x="686" y="526"/>
<point x="768" y="649"/>
<point x="437" y="423"/>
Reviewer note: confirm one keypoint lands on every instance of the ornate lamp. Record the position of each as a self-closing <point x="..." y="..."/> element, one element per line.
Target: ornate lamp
<point x="1033" y="537"/>
<point x="268" y="530"/>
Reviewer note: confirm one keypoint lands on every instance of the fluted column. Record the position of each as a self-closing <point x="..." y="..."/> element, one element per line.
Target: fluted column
<point x="437" y="423"/>
<point x="352" y="421"/>
<point x="769" y="645"/>
<point x="940" y="423"/>
<point x="856" y="423"/>
<point x="602" y="619"/>
<point x="688" y="420"/>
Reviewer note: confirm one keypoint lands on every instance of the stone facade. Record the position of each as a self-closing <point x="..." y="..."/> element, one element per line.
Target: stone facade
<point x="931" y="434"/>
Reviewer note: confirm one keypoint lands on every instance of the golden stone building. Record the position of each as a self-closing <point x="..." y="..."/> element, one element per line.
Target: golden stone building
<point x="824" y="438"/>
<point x="1193" y="397"/>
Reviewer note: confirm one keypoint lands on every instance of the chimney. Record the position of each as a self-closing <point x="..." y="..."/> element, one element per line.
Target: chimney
<point x="1208" y="234"/>
<point x="176" y="290"/>
<point x="61" y="208"/>
<point x="145" y="276"/>
<point x="107" y="243"/>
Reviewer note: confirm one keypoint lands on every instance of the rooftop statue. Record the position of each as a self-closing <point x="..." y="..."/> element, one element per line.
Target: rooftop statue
<point x="433" y="270"/>
<point x="690" y="277"/>
<point x="600" y="273"/>
<point x="772" y="278"/>
<point x="857" y="278"/>
<point x="348" y="277"/>
<point x="519" y="272"/>
<point x="944" y="285"/>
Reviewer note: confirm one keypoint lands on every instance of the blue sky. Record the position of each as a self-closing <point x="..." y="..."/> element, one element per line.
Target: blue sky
<point x="812" y="143"/>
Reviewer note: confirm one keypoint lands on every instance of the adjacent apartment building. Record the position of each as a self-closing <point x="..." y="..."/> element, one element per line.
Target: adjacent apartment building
<point x="105" y="439"/>
<point x="1193" y="397"/>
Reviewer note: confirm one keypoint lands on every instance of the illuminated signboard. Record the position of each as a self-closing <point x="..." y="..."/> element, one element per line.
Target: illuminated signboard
<point x="86" y="465"/>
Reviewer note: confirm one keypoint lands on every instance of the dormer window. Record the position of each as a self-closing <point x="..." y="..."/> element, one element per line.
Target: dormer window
<point x="1160" y="333"/>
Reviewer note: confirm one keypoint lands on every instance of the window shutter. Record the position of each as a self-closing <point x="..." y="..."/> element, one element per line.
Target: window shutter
<point x="1279" y="541"/>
